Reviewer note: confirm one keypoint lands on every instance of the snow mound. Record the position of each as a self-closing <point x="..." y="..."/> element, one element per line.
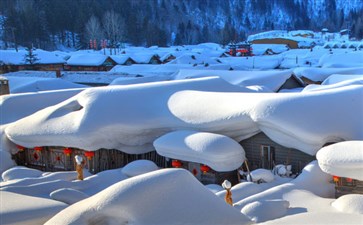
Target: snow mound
<point x="352" y="203"/>
<point x="142" y="199"/>
<point x="311" y="179"/>
<point x="20" y="172"/>
<point x="261" y="211"/>
<point x="261" y="176"/>
<point x="17" y="209"/>
<point x="139" y="167"/>
<point x="5" y="161"/>
<point x="219" y="152"/>
<point x="68" y="195"/>
<point x="344" y="159"/>
<point x="339" y="60"/>
<point x="32" y="84"/>
<point x="215" y="188"/>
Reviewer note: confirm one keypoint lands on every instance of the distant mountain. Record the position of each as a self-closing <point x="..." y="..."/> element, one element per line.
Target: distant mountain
<point x="50" y="23"/>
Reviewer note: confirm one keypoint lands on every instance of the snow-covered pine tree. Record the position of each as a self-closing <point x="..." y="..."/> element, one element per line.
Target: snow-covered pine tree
<point x="30" y="57"/>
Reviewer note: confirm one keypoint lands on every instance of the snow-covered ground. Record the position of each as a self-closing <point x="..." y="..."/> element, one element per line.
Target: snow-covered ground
<point x="189" y="111"/>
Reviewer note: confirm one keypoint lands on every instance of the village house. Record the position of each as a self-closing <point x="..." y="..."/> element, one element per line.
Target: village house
<point x="12" y="61"/>
<point x="89" y="62"/>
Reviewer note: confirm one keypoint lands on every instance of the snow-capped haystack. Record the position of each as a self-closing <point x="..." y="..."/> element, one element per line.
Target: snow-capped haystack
<point x="261" y="211"/>
<point x="219" y="152"/>
<point x="352" y="203"/>
<point x="129" y="118"/>
<point x="344" y="159"/>
<point x="139" y="167"/>
<point x="143" y="199"/>
<point x="261" y="176"/>
<point x="226" y="184"/>
<point x="20" y="172"/>
<point x="338" y="60"/>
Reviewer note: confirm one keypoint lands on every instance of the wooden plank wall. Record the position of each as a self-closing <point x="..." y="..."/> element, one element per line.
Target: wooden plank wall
<point x="252" y="147"/>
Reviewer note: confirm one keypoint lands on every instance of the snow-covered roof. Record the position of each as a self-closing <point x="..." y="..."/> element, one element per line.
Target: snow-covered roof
<point x="338" y="60"/>
<point x="219" y="152"/>
<point x="86" y="60"/>
<point x="120" y="59"/>
<point x="269" y="80"/>
<point x="260" y="49"/>
<point x="18" y="57"/>
<point x="344" y="159"/>
<point x="143" y="58"/>
<point x="285" y="118"/>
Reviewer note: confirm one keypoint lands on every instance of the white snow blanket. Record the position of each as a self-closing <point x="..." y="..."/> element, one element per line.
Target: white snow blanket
<point x="132" y="201"/>
<point x="18" y="57"/>
<point x="18" y="209"/>
<point x="271" y="80"/>
<point x="338" y="78"/>
<point x="351" y="203"/>
<point x="344" y="159"/>
<point x="261" y="211"/>
<point x="91" y="120"/>
<point x="139" y="167"/>
<point x="219" y="152"/>
<point x="320" y="74"/>
<point x="339" y="60"/>
<point x="255" y="62"/>
<point x="261" y="175"/>
<point x="33" y="84"/>
<point x="86" y="60"/>
<point x="312" y="179"/>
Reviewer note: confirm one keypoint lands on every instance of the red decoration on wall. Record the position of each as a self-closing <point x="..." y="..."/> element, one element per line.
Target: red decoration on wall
<point x="21" y="148"/>
<point x="67" y="151"/>
<point x="38" y="149"/>
<point x="176" y="163"/>
<point x="204" y="168"/>
<point x="89" y="154"/>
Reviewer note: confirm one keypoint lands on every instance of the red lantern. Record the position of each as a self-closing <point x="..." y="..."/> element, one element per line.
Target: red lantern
<point x="89" y="154"/>
<point x="67" y="151"/>
<point x="204" y="168"/>
<point x="349" y="180"/>
<point x="336" y="179"/>
<point x="38" y="149"/>
<point x="21" y="148"/>
<point x="176" y="163"/>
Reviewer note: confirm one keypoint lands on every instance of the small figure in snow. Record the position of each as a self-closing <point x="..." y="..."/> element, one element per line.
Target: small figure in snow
<point x="79" y="166"/>
<point x="228" y="197"/>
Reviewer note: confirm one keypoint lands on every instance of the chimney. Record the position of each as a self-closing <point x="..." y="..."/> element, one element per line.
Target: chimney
<point x="4" y="86"/>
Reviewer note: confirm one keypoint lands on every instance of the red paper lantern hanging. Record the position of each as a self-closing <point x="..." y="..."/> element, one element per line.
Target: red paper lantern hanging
<point x="20" y="148"/>
<point x="176" y="163"/>
<point x="336" y="179"/>
<point x="67" y="151"/>
<point x="349" y="180"/>
<point x="204" y="168"/>
<point x="89" y="154"/>
<point x="38" y="149"/>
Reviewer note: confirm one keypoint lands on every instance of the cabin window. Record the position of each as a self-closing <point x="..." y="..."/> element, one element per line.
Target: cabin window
<point x="267" y="156"/>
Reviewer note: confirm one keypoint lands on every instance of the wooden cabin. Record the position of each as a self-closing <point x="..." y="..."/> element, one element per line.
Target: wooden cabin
<point x="292" y="44"/>
<point x="89" y="62"/>
<point x="56" y="158"/>
<point x="345" y="185"/>
<point x="262" y="152"/>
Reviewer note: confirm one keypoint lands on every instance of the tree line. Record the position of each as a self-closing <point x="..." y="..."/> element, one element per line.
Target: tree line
<point x="73" y="23"/>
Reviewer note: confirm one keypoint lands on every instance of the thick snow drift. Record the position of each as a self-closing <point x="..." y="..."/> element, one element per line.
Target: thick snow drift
<point x="352" y="203"/>
<point x="219" y="152"/>
<point x="271" y="79"/>
<point x="139" y="167"/>
<point x="344" y="159"/>
<point x="17" y="209"/>
<point x="162" y="197"/>
<point x="261" y="211"/>
<point x="126" y="118"/>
